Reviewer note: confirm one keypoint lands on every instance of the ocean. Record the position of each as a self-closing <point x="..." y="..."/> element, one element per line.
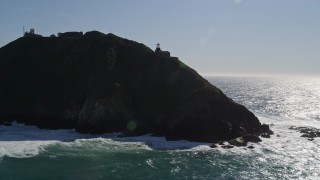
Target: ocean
<point x="27" y="152"/>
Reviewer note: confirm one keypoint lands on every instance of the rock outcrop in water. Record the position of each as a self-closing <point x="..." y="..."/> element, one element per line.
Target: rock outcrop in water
<point x="307" y="132"/>
<point x="99" y="83"/>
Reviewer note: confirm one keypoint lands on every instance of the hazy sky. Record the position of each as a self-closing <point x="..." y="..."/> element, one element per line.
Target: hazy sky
<point x="211" y="36"/>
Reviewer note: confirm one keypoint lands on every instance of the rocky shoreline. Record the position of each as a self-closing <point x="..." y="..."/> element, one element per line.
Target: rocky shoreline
<point x="243" y="141"/>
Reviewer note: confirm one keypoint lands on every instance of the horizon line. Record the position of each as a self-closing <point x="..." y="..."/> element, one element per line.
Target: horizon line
<point x="262" y="75"/>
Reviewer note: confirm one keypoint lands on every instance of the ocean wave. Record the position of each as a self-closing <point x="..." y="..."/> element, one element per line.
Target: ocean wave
<point x="21" y="141"/>
<point x="284" y="147"/>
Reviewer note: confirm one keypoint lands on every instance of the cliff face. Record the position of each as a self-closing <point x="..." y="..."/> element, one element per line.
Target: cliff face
<point x="103" y="83"/>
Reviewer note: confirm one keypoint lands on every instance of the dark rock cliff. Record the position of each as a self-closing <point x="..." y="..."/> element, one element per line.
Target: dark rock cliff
<point x="100" y="83"/>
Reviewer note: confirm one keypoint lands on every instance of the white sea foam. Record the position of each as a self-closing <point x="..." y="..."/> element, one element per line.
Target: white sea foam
<point x="284" y="148"/>
<point x="21" y="141"/>
<point x="160" y="143"/>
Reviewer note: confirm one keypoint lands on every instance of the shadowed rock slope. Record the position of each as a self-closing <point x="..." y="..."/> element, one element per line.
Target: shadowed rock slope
<point x="101" y="83"/>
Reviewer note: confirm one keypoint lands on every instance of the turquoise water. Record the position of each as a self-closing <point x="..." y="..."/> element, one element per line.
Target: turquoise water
<point x="27" y="152"/>
<point x="107" y="159"/>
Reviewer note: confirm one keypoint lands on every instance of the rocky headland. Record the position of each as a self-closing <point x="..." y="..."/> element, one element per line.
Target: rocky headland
<point x="98" y="83"/>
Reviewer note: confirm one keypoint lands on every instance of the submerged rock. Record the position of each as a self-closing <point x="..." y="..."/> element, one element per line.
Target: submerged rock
<point x="265" y="135"/>
<point x="240" y="141"/>
<point x="308" y="132"/>
<point x="266" y="129"/>
<point x="227" y="146"/>
<point x="213" y="146"/>
<point x="243" y="140"/>
<point x="251" y="138"/>
<point x="99" y="83"/>
<point x="221" y="142"/>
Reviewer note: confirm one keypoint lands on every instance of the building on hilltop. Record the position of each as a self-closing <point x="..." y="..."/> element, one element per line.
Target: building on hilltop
<point x="158" y="49"/>
<point x="161" y="53"/>
<point x="31" y="33"/>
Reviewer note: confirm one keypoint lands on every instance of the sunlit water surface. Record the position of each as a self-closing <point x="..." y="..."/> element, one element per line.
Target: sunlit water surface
<point x="27" y="152"/>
